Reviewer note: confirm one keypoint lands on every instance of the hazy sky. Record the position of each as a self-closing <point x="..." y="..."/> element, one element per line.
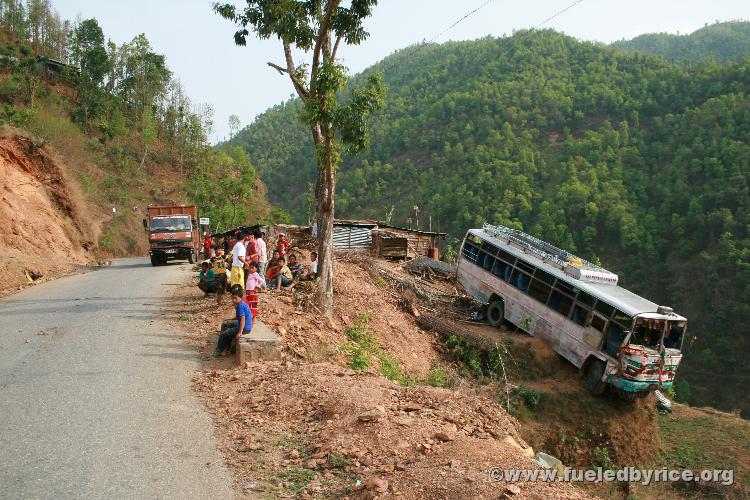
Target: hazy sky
<point x="235" y="80"/>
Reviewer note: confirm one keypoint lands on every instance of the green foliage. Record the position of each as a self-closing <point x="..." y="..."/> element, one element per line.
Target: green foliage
<point x="437" y="377"/>
<point x="478" y="360"/>
<point x="639" y="161"/>
<point x="602" y="459"/>
<point x="296" y="478"/>
<point x="723" y="42"/>
<point x="360" y="358"/>
<point x="338" y="461"/>
<point x="530" y="397"/>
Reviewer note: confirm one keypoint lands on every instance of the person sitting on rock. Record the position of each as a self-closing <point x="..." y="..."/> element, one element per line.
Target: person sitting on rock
<point x="207" y="278"/>
<point x="297" y="269"/>
<point x="272" y="270"/>
<point x="284" y="277"/>
<point x="234" y="328"/>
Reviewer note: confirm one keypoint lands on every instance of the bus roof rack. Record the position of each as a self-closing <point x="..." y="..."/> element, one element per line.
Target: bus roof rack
<point x="571" y="264"/>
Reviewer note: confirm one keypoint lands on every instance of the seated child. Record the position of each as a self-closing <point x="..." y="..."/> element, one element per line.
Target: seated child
<point x="298" y="270"/>
<point x="206" y="278"/>
<point x="272" y="270"/>
<point x="233" y="329"/>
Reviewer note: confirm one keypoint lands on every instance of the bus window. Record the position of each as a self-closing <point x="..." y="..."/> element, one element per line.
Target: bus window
<point x="485" y="261"/>
<point x="500" y="268"/>
<point x="526" y="267"/>
<point x="544" y="277"/>
<point x="508" y="258"/>
<point x="520" y="280"/>
<point x="605" y="309"/>
<point x="580" y="314"/>
<point x="539" y="290"/>
<point x="560" y="303"/>
<point x="673" y="340"/>
<point x="622" y="318"/>
<point x="615" y="335"/>
<point x="470" y="252"/>
<point x="585" y="299"/>
<point x="598" y="322"/>
<point x="565" y="288"/>
<point x="489" y="248"/>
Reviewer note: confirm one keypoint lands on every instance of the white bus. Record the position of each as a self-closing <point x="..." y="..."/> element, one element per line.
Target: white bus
<point x="612" y="335"/>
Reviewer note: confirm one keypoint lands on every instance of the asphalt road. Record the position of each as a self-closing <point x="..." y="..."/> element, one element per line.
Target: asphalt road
<point x="95" y="398"/>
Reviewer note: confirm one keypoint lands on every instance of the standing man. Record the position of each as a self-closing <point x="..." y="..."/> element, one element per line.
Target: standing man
<point x="206" y="246"/>
<point x="262" y="253"/>
<point x="238" y="261"/>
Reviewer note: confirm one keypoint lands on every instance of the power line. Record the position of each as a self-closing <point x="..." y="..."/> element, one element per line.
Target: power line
<point x="456" y="23"/>
<point x="556" y="14"/>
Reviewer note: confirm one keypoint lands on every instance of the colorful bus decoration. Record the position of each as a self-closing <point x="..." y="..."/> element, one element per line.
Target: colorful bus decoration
<point x="612" y="335"/>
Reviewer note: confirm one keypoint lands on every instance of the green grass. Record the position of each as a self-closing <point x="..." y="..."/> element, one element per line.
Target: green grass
<point x="296" y="478"/>
<point x="438" y="377"/>
<point x="705" y="442"/>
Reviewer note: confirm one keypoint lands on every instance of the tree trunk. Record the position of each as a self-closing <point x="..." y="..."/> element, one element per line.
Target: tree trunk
<point x="324" y="192"/>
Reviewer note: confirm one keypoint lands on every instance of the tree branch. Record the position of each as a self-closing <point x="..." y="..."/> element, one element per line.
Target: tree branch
<point x="335" y="47"/>
<point x="292" y="71"/>
<point x="322" y="32"/>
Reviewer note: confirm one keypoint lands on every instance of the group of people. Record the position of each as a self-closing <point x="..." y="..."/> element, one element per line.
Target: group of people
<point x="248" y="267"/>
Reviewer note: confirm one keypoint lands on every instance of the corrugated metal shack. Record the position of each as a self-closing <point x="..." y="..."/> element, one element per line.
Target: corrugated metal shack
<point x="385" y="240"/>
<point x="352" y="234"/>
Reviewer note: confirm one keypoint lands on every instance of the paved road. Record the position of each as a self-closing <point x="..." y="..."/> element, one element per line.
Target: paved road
<point x="95" y="398"/>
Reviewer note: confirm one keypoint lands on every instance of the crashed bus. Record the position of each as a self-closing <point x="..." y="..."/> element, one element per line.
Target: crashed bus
<point x="612" y="335"/>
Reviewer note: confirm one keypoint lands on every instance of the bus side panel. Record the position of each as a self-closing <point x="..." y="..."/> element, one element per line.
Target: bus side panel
<point x="563" y="335"/>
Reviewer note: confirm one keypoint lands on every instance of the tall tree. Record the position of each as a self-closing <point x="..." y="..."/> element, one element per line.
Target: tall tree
<point x="317" y="28"/>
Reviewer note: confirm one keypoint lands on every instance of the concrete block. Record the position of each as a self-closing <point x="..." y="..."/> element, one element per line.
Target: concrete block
<point x="261" y="345"/>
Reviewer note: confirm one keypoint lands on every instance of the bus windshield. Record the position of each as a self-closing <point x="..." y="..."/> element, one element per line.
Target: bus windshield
<point x="650" y="333"/>
<point x="170" y="224"/>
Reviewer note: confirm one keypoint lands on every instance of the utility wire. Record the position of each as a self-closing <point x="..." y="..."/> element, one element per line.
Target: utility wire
<point x="556" y="14"/>
<point x="456" y="23"/>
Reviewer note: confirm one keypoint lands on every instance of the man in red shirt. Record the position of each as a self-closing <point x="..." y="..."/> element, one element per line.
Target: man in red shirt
<point x="207" y="245"/>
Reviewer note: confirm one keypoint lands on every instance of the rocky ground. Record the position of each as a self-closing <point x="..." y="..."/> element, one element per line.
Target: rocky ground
<point x="310" y="426"/>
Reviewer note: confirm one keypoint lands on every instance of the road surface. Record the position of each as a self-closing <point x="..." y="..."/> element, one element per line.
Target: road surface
<point x="95" y="398"/>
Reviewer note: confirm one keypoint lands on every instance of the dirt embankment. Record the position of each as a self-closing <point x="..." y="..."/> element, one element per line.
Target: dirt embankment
<point x="48" y="230"/>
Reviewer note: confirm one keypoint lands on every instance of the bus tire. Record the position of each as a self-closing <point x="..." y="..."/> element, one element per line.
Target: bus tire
<point x="191" y="257"/>
<point x="496" y="313"/>
<point x="154" y="260"/>
<point x="592" y="379"/>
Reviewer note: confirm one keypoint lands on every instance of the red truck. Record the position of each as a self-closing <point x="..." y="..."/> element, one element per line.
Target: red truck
<point x="173" y="233"/>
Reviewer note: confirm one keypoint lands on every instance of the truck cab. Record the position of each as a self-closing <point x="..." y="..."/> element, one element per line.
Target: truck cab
<point x="173" y="233"/>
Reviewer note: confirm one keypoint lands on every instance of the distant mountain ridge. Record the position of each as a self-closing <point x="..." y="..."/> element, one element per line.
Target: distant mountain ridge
<point x="630" y="158"/>
<point x="727" y="41"/>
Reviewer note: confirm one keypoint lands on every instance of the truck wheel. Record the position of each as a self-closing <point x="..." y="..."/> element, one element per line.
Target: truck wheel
<point x="496" y="313"/>
<point x="191" y="257"/>
<point x="592" y="380"/>
<point x="154" y="260"/>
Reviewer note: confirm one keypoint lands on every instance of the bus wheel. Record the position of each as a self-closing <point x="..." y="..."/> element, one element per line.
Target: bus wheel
<point x="593" y="378"/>
<point x="154" y="260"/>
<point x="191" y="257"/>
<point x="496" y="313"/>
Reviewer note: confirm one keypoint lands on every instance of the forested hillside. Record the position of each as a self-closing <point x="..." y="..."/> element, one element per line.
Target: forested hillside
<point x="722" y="42"/>
<point x="632" y="160"/>
<point x="126" y="132"/>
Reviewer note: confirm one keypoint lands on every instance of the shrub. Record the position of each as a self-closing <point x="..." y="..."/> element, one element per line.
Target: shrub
<point x="602" y="459"/>
<point x="360" y="358"/>
<point x="437" y="377"/>
<point x="531" y="397"/>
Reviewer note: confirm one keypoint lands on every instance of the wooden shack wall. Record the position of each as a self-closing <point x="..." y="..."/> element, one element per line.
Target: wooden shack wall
<point x="419" y="244"/>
